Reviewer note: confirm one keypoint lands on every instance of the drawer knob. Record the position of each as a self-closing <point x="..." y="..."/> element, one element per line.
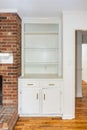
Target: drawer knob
<point x="51" y="84"/>
<point x="30" y="84"/>
<point x="37" y="96"/>
<point x="44" y="96"/>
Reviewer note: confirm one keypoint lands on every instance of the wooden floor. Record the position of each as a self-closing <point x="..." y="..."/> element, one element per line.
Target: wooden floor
<point x="79" y="123"/>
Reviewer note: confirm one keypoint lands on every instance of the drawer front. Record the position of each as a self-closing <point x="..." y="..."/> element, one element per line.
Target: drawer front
<point x="50" y="84"/>
<point x="27" y="83"/>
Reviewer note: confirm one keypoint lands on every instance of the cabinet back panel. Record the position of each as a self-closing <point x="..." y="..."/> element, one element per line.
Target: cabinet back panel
<point x="41" y="27"/>
<point x="41" y="69"/>
<point x="41" y="41"/>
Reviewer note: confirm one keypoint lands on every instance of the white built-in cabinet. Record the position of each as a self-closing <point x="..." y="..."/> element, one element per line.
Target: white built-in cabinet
<point x="40" y="98"/>
<point x="51" y="100"/>
<point x="40" y="91"/>
<point x="29" y="100"/>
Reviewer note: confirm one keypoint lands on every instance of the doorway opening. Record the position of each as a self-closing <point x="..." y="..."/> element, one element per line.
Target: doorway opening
<point x="80" y="61"/>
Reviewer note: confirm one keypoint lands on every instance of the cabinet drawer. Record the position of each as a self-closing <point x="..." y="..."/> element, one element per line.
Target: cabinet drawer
<point x="50" y="84"/>
<point x="29" y="83"/>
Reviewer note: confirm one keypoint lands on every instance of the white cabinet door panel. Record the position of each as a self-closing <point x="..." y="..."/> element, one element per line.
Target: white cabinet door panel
<point x="51" y="101"/>
<point x="30" y="101"/>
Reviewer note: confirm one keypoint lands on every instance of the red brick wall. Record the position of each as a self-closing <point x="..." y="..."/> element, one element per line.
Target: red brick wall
<point x="10" y="41"/>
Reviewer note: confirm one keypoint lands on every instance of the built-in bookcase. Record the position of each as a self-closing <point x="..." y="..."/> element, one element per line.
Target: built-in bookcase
<point x="41" y="81"/>
<point x="42" y="50"/>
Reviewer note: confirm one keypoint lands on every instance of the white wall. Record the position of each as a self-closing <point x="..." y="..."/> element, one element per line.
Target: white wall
<point x="71" y="21"/>
<point x="84" y="62"/>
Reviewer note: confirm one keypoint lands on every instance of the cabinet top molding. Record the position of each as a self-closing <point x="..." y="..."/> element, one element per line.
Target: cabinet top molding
<point x="42" y="20"/>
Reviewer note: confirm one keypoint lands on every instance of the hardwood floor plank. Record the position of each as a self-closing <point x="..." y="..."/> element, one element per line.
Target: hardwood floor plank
<point x="79" y="123"/>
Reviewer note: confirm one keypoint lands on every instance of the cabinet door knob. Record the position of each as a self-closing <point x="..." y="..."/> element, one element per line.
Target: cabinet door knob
<point x="37" y="96"/>
<point x="44" y="97"/>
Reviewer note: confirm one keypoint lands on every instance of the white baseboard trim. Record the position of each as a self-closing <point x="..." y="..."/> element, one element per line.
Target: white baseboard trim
<point x="79" y="95"/>
<point x="68" y="117"/>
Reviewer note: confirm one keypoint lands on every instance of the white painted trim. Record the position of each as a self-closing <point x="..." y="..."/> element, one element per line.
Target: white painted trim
<point x="38" y="115"/>
<point x="42" y="20"/>
<point x="22" y="49"/>
<point x="67" y="117"/>
<point x="79" y="95"/>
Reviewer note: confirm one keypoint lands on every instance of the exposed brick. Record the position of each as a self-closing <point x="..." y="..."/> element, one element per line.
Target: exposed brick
<point x="3" y="18"/>
<point x="8" y="117"/>
<point x="10" y="41"/>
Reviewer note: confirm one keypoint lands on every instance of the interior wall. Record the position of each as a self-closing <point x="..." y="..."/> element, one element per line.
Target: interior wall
<point x="84" y="62"/>
<point x="71" y="21"/>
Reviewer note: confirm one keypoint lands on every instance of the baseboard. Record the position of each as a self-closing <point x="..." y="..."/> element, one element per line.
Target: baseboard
<point x="68" y="117"/>
<point x="79" y="95"/>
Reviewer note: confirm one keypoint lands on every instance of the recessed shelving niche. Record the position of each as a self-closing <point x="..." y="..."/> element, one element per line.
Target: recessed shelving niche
<point x="42" y="50"/>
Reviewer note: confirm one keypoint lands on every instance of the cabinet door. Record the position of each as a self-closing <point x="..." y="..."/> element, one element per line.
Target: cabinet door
<point x="51" y="101"/>
<point x="30" y="101"/>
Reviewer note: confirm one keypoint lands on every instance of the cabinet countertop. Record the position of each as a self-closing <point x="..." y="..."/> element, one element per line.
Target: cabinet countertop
<point x="41" y="76"/>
